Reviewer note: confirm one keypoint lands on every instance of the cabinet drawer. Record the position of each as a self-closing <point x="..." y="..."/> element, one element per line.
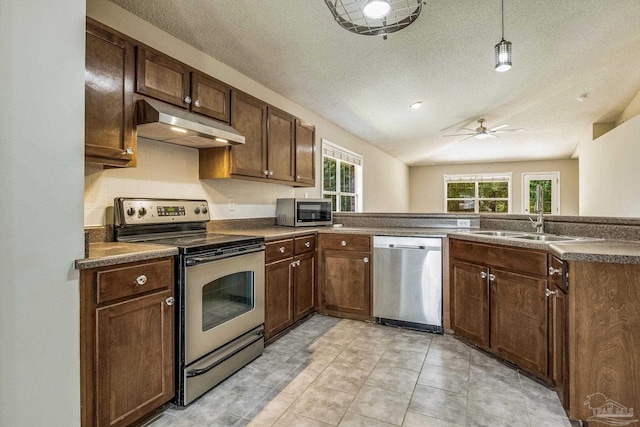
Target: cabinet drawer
<point x="521" y="260"/>
<point x="304" y="244"/>
<point x="346" y="242"/>
<point x="278" y="250"/>
<point x="135" y="279"/>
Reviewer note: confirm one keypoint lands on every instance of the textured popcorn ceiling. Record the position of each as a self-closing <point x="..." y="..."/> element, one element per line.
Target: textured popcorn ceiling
<point x="561" y="49"/>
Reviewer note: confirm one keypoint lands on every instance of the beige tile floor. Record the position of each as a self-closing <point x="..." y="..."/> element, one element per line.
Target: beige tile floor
<point x="332" y="372"/>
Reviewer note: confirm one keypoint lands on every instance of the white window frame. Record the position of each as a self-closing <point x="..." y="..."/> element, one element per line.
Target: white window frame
<point x="343" y="155"/>
<point x="554" y="177"/>
<point x="477" y="178"/>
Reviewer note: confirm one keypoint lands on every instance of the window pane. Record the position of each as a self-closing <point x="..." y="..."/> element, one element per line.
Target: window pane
<point x="347" y="204"/>
<point x="347" y="178"/>
<point x="461" y="190"/>
<point x="329" y="171"/>
<point x="334" y="206"/>
<point x="461" y="205"/>
<point x="546" y="194"/>
<point x="496" y="206"/>
<point x="490" y="190"/>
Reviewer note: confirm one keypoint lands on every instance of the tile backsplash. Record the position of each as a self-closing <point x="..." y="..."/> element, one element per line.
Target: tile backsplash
<point x="171" y="171"/>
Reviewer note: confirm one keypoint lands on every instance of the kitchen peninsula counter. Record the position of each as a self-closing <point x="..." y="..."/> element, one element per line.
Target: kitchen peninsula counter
<point x="113" y="253"/>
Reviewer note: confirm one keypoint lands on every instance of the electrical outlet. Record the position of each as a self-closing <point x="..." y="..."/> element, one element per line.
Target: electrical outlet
<point x="232" y="204"/>
<point x="463" y="223"/>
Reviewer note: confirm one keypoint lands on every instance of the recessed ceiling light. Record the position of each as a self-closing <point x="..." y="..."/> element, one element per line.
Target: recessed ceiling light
<point x="416" y="105"/>
<point x="376" y="9"/>
<point x="582" y="97"/>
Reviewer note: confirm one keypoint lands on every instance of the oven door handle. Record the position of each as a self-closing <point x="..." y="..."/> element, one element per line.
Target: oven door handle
<point x="240" y="344"/>
<point x="195" y="260"/>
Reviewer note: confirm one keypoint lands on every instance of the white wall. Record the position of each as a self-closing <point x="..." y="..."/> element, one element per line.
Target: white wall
<point x="427" y="182"/>
<point x="610" y="172"/>
<point x="41" y="163"/>
<point x="386" y="179"/>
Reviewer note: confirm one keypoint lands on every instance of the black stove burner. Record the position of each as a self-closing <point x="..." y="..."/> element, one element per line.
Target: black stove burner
<point x="205" y="242"/>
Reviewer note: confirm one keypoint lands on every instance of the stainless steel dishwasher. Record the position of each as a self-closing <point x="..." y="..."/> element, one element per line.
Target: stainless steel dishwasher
<point x="407" y="282"/>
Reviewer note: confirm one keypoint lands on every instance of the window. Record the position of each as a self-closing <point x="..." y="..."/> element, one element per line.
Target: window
<point x="341" y="177"/>
<point x="477" y="193"/>
<point x="550" y="182"/>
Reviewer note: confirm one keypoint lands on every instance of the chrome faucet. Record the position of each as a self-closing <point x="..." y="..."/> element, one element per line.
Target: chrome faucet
<point x="538" y="208"/>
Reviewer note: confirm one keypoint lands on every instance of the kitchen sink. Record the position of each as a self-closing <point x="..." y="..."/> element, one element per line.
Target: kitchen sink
<point x="497" y="233"/>
<point x="518" y="235"/>
<point x="546" y="238"/>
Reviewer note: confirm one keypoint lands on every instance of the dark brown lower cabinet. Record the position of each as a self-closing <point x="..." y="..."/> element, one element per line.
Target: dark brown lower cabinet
<point x="346" y="282"/>
<point x="127" y="341"/>
<point x="470" y="302"/>
<point x="289" y="283"/>
<point x="558" y="344"/>
<point x="519" y="320"/>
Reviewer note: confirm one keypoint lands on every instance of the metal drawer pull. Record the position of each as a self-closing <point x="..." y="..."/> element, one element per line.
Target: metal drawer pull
<point x="129" y="150"/>
<point x="170" y="301"/>
<point x="197" y="103"/>
<point x="343" y="243"/>
<point x="295" y="263"/>
<point x="366" y="259"/>
<point x="187" y="100"/>
<point x="553" y="271"/>
<point x="483" y="274"/>
<point x="307" y="244"/>
<point x="281" y="250"/>
<point x="548" y="293"/>
<point x="492" y="277"/>
<point x="141" y="280"/>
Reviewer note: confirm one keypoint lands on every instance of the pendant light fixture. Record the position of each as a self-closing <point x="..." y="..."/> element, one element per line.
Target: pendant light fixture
<point x="503" y="50"/>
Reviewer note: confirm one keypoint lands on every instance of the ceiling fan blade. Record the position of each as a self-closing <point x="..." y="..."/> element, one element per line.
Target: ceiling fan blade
<point x="507" y="130"/>
<point x="462" y="134"/>
<point x="464" y="139"/>
<point x="498" y="127"/>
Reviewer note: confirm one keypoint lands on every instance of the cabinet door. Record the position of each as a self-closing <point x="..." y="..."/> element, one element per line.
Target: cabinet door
<point x="346" y="282"/>
<point x="109" y="73"/>
<point x="558" y="344"/>
<point x="134" y="371"/>
<point x="278" y="297"/>
<point x="162" y="77"/>
<point x="304" y="286"/>
<point x="519" y="320"/>
<point x="470" y="302"/>
<point x="210" y="97"/>
<point x="281" y="143"/>
<point x="249" y="117"/>
<point x="305" y="153"/>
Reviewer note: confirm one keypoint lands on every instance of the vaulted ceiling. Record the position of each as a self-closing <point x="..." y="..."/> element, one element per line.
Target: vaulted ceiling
<point x="561" y="49"/>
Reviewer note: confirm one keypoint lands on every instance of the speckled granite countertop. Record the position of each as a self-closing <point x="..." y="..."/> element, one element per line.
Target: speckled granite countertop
<point x="278" y="232"/>
<point x="112" y="253"/>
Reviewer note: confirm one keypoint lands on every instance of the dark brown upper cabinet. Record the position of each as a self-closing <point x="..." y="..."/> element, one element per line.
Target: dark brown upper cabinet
<point x="305" y="153"/>
<point x="281" y="145"/>
<point x="166" y="79"/>
<point x="109" y="77"/>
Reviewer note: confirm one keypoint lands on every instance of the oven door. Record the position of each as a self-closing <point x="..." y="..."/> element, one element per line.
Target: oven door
<point x="224" y="299"/>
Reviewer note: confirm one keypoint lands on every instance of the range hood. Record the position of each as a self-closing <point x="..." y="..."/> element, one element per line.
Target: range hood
<point x="163" y="122"/>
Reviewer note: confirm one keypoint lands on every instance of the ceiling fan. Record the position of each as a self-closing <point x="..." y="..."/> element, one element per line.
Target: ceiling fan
<point x="481" y="132"/>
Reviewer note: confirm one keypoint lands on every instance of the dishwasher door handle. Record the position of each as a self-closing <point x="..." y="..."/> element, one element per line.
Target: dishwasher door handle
<point x="406" y="247"/>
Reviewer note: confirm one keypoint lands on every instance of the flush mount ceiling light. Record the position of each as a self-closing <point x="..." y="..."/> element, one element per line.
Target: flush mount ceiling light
<point x="374" y="17"/>
<point x="503" y="50"/>
<point x="416" y="105"/>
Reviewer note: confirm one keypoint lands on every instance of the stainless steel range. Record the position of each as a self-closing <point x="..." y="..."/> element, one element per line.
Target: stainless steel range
<point x="219" y="289"/>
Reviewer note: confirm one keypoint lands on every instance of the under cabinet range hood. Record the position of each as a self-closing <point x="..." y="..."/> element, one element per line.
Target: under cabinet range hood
<point x="163" y="122"/>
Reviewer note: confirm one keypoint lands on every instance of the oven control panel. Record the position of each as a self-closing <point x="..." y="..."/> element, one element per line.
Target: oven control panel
<point x="159" y="211"/>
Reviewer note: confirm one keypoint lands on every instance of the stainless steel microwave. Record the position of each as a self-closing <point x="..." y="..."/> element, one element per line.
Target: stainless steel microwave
<point x="303" y="212"/>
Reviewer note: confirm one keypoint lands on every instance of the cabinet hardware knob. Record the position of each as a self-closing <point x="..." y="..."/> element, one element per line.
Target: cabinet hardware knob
<point x="141" y="280"/>
<point x="553" y="271"/>
<point x="298" y="262"/>
<point x="492" y="277"/>
<point x="270" y="173"/>
<point x="293" y="264"/>
<point x="170" y="301"/>
<point x="281" y="250"/>
<point x="307" y="244"/>
<point x="365" y="259"/>
<point x="298" y="177"/>
<point x="483" y="274"/>
<point x="187" y="99"/>
<point x="548" y="292"/>
<point x="197" y="103"/>
<point x="343" y="243"/>
<point x="265" y="172"/>
<point x="129" y="150"/>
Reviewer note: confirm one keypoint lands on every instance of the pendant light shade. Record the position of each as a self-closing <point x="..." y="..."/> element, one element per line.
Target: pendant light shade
<point x="503" y="50"/>
<point x="376" y="9"/>
<point x="503" y="56"/>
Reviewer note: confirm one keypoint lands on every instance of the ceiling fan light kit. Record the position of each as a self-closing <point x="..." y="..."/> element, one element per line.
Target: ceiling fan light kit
<point x="503" y="50"/>
<point x="374" y="17"/>
<point x="481" y="132"/>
